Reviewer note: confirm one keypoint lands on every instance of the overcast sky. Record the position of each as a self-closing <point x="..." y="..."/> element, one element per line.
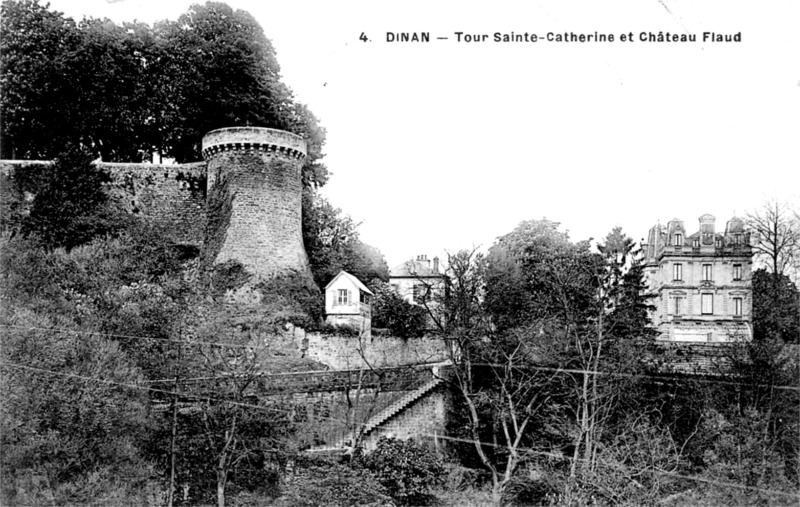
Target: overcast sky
<point x="449" y="144"/>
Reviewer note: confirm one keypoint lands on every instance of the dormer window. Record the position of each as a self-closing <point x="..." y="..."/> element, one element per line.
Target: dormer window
<point x="718" y="242"/>
<point x="696" y="243"/>
<point x="678" y="240"/>
<point x="737" y="239"/>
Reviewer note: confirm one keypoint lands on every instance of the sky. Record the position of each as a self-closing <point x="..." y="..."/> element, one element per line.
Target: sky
<point x="449" y="144"/>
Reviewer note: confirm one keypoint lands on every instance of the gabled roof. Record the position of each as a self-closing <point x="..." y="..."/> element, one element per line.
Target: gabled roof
<point x="355" y="281"/>
<point x="413" y="268"/>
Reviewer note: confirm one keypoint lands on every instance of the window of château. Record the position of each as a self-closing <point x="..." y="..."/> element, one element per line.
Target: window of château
<point x="677" y="271"/>
<point x="737" y="271"/>
<point x="707" y="304"/>
<point x="678" y="239"/>
<point x="737" y="306"/>
<point x="678" y="306"/>
<point x="708" y="272"/>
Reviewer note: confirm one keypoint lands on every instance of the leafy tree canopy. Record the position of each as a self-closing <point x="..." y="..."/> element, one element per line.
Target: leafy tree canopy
<point x="332" y="244"/>
<point x="776" y="307"/>
<point x="129" y="91"/>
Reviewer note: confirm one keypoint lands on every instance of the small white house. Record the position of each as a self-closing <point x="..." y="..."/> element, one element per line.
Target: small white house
<point x="348" y="302"/>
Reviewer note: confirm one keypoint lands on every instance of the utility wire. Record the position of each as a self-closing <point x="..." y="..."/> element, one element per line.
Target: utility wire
<point x="495" y="365"/>
<point x="454" y="439"/>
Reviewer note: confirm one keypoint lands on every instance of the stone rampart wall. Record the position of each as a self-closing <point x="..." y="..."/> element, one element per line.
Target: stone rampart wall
<point x="345" y="352"/>
<point x="173" y="196"/>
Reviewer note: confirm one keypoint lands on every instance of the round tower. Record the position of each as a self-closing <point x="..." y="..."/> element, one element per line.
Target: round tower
<point x="254" y="200"/>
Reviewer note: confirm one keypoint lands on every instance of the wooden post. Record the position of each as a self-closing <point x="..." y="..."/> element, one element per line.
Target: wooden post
<point x="170" y="491"/>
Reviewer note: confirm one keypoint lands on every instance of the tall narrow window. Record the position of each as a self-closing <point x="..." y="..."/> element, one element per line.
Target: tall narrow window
<point x="737" y="271"/>
<point x="678" y="239"/>
<point x="718" y="242"/>
<point x="696" y="243"/>
<point x="707" y="304"/>
<point x="677" y="271"/>
<point x="678" y="306"/>
<point x="708" y="272"/>
<point x="737" y="239"/>
<point x="737" y="307"/>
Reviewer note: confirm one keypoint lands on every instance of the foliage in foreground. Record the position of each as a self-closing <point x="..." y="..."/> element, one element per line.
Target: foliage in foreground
<point x="408" y="470"/>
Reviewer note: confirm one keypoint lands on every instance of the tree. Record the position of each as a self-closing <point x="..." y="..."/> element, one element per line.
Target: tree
<point x="36" y="80"/>
<point x="566" y="308"/>
<point x="776" y="237"/>
<point x="126" y="91"/>
<point x="72" y="413"/>
<point x="69" y="209"/>
<point x="390" y="311"/>
<point x="332" y="244"/>
<point x="776" y="308"/>
<point x="236" y="426"/>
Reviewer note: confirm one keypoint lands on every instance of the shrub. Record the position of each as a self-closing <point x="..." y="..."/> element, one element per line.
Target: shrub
<point x="69" y="207"/>
<point x="332" y="484"/>
<point x="407" y="470"/>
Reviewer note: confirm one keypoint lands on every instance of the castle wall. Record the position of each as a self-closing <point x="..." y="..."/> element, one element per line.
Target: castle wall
<point x="173" y="196"/>
<point x="343" y="352"/>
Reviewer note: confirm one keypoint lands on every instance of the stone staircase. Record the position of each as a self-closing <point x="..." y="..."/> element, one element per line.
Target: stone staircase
<point x="400" y="405"/>
<point x="342" y="444"/>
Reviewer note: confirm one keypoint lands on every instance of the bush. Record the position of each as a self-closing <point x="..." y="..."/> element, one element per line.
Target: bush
<point x="69" y="208"/>
<point x="394" y="313"/>
<point x="339" y="330"/>
<point x="407" y="470"/>
<point x="324" y="483"/>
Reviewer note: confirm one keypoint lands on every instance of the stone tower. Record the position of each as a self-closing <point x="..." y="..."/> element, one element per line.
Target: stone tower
<point x="254" y="200"/>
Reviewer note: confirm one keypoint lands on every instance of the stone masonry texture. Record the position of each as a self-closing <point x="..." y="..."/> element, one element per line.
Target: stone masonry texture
<point x="254" y="200"/>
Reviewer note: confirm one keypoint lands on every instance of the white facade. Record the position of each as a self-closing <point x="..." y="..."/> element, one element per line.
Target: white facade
<point x="418" y="281"/>
<point x="348" y="302"/>
<point x="702" y="281"/>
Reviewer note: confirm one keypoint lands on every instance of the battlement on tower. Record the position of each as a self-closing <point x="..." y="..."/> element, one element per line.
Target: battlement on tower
<point x="256" y="139"/>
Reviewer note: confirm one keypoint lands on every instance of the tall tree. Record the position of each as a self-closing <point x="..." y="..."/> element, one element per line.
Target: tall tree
<point x="775" y="230"/>
<point x="69" y="209"/>
<point x="127" y="91"/>
<point x="776" y="308"/>
<point x="332" y="244"/>
<point x="37" y="80"/>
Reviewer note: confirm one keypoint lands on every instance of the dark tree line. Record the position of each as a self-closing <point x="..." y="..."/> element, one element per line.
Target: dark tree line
<point x="134" y="91"/>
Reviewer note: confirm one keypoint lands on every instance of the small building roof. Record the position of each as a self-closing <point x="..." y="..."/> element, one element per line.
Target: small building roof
<point x="355" y="281"/>
<point x="414" y="268"/>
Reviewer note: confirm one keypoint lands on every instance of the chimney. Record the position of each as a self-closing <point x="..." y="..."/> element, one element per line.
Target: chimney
<point x="707" y="229"/>
<point x="435" y="264"/>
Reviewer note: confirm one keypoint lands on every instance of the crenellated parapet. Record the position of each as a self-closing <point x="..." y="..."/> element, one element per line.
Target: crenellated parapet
<point x="265" y="140"/>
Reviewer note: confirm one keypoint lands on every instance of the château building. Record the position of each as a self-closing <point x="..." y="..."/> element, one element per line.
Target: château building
<point x="701" y="281"/>
<point x="418" y="281"/>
